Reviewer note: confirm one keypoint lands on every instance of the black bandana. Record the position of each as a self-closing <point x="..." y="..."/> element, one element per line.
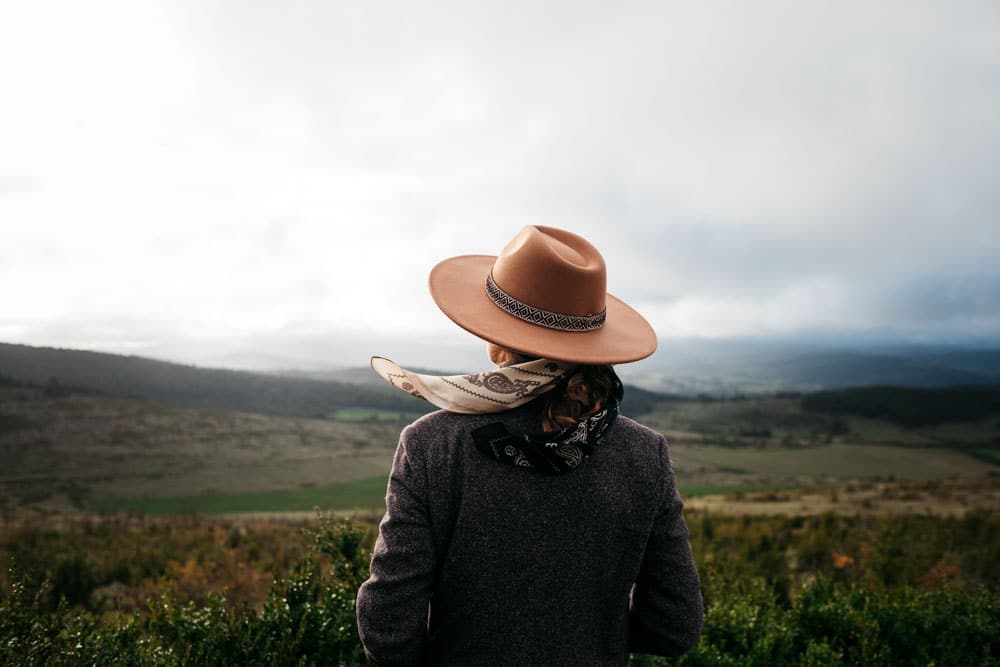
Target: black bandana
<point x="549" y="451"/>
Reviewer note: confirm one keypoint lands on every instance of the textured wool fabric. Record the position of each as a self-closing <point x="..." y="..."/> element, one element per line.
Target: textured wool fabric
<point x="479" y="563"/>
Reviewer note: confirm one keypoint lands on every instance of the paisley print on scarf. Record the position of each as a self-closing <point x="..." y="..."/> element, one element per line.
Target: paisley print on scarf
<point x="494" y="390"/>
<point x="499" y="383"/>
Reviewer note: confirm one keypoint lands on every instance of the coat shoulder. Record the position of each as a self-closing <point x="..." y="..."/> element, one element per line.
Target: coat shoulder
<point x="435" y="428"/>
<point x="648" y="450"/>
<point x="634" y="429"/>
<point x="434" y="424"/>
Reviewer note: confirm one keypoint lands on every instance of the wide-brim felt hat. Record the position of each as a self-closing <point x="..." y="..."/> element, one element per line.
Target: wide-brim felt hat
<point x="544" y="295"/>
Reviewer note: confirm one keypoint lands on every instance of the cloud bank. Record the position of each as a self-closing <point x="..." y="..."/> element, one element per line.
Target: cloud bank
<point x="196" y="176"/>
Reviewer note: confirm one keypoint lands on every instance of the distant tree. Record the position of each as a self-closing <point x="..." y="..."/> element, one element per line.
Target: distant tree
<point x="907" y="406"/>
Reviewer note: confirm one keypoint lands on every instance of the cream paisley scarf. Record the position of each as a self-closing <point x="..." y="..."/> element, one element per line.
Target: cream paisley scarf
<point x="495" y="390"/>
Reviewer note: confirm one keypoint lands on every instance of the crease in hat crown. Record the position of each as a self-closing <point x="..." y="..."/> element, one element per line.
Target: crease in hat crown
<point x="552" y="270"/>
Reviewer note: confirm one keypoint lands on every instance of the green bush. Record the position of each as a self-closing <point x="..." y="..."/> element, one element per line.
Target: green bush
<point x="759" y="609"/>
<point x="307" y="619"/>
<point x="833" y="624"/>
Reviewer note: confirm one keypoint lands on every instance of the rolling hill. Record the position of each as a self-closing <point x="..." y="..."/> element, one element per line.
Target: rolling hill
<point x="289" y="394"/>
<point x="178" y="384"/>
<point x="727" y="368"/>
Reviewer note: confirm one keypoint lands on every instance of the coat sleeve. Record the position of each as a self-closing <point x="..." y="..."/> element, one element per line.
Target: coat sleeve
<point x="392" y="605"/>
<point x="666" y="614"/>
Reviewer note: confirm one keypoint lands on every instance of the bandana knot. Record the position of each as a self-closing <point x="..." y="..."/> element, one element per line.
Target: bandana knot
<point x="549" y="451"/>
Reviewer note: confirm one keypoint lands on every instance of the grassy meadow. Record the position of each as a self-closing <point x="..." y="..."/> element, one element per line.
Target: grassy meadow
<point x="372" y="415"/>
<point x="89" y="453"/>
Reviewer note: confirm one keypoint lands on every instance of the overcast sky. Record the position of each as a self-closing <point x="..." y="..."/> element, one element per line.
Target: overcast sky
<point x="217" y="181"/>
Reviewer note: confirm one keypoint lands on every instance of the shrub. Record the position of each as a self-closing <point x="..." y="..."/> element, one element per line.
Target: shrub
<point x="308" y="618"/>
<point x="757" y="611"/>
<point x="832" y="624"/>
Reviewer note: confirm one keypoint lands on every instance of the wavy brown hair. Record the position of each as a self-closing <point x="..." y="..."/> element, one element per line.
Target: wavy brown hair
<point x="580" y="394"/>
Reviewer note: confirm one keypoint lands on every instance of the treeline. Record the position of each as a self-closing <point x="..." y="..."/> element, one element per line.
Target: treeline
<point x="638" y="401"/>
<point x="907" y="406"/>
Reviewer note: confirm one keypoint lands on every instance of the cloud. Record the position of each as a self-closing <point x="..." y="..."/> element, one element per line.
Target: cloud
<point x="226" y="171"/>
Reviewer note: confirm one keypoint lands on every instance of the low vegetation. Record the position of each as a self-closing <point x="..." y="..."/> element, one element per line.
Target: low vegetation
<point x="826" y="590"/>
<point x="306" y="615"/>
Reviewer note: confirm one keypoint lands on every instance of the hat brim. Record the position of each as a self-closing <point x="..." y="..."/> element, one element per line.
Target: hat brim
<point x="458" y="286"/>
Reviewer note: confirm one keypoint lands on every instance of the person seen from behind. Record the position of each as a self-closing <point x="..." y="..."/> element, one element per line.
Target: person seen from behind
<point x="528" y="522"/>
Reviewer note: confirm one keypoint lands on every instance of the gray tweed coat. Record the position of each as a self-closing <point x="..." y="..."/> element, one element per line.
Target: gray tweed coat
<point x="480" y="563"/>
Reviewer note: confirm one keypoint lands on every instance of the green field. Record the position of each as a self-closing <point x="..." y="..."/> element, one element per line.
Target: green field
<point x="988" y="454"/>
<point x="372" y="415"/>
<point x="701" y="470"/>
<point x="362" y="494"/>
<point x="87" y="453"/>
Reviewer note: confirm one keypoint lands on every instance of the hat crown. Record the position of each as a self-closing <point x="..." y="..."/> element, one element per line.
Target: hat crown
<point x="544" y="296"/>
<point x="554" y="270"/>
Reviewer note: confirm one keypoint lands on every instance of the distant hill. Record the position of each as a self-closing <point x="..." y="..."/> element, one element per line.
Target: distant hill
<point x="363" y="375"/>
<point x="294" y="394"/>
<point x="908" y="406"/>
<point x="727" y="368"/>
<point x="178" y="384"/>
<point x="843" y="369"/>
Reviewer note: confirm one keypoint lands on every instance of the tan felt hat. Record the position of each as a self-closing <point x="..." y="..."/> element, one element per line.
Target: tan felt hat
<point x="544" y="295"/>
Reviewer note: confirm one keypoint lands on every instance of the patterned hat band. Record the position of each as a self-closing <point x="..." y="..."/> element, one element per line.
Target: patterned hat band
<point x="543" y="318"/>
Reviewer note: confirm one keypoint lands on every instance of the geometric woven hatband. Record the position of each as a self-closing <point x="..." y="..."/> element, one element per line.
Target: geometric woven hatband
<point x="543" y="318"/>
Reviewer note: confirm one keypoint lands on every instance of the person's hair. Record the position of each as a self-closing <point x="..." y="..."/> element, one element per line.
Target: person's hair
<point x="577" y="396"/>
